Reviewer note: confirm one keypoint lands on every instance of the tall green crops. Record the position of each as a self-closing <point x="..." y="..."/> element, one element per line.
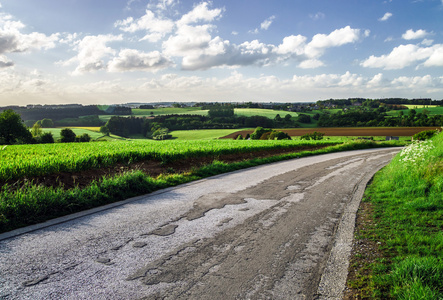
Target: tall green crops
<point x="19" y="161"/>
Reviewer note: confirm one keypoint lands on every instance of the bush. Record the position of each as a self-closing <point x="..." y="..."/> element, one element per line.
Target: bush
<point x="279" y="135"/>
<point x="424" y="135"/>
<point x="67" y="135"/>
<point x="258" y="132"/>
<point x="47" y="138"/>
<point x="312" y="136"/>
<point x="84" y="138"/>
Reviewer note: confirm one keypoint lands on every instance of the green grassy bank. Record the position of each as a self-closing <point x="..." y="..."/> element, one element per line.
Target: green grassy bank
<point x="407" y="202"/>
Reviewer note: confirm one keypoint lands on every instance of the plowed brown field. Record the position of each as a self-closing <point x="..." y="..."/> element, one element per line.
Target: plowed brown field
<point x="347" y="131"/>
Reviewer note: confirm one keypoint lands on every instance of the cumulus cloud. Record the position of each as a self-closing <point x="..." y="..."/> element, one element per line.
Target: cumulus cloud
<point x="413" y="35"/>
<point x="92" y="50"/>
<point x="407" y="55"/>
<point x="156" y="27"/>
<point x="200" y="13"/>
<point x="339" y="37"/>
<point x="134" y="60"/>
<point x="199" y="50"/>
<point x="13" y="40"/>
<point x="385" y="17"/>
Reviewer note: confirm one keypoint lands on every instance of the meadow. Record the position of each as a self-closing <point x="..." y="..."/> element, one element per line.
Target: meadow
<point x="404" y="225"/>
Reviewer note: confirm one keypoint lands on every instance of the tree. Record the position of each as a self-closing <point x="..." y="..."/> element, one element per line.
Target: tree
<point x="105" y="130"/>
<point x="36" y="130"/>
<point x="302" y="118"/>
<point x="67" y="135"/>
<point x="47" y="138"/>
<point x="12" y="129"/>
<point x="84" y="138"/>
<point x="47" y="123"/>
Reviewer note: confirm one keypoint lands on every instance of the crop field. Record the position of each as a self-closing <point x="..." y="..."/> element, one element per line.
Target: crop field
<point x="20" y="161"/>
<point x="412" y="106"/>
<point x="205" y="134"/>
<point x="349" y="131"/>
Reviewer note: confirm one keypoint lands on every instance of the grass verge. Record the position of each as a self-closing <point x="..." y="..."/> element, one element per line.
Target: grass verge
<point x="34" y="204"/>
<point x="406" y="225"/>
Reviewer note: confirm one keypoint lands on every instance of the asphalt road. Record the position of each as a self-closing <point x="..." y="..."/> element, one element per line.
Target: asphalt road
<point x="278" y="231"/>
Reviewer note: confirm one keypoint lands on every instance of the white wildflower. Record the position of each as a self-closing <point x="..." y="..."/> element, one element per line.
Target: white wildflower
<point x="416" y="153"/>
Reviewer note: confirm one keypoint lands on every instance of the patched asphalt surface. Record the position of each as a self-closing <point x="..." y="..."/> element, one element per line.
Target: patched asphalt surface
<point x="278" y="231"/>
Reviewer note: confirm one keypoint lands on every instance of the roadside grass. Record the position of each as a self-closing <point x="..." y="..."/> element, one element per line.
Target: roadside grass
<point x="33" y="204"/>
<point x="407" y="200"/>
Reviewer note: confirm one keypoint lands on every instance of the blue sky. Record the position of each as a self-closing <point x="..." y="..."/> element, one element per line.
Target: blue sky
<point x="103" y="52"/>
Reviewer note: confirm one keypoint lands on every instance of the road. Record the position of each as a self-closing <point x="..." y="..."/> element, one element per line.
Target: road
<point x="278" y="231"/>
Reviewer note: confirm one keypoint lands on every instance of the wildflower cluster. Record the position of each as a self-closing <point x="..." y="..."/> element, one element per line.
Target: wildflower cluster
<point x="415" y="153"/>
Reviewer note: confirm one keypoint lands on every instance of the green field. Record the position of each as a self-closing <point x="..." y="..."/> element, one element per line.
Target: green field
<point x="78" y="131"/>
<point x="169" y="111"/>
<point x="269" y="113"/>
<point x="434" y="110"/>
<point x="208" y="134"/>
<point x="18" y="161"/>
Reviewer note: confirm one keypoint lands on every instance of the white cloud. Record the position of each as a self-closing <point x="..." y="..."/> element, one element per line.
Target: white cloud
<point x="311" y="64"/>
<point x="339" y="37"/>
<point x="413" y="35"/>
<point x="376" y="80"/>
<point x="385" y="17"/>
<point x="294" y="44"/>
<point x="12" y="40"/>
<point x="406" y="55"/>
<point x="5" y="62"/>
<point x="133" y="60"/>
<point x="427" y="42"/>
<point x="200" y="13"/>
<point x="267" y="23"/>
<point x="91" y="53"/>
<point x="156" y="27"/>
<point x="436" y="57"/>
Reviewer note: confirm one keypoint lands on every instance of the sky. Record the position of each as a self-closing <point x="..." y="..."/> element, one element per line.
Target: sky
<point x="123" y="51"/>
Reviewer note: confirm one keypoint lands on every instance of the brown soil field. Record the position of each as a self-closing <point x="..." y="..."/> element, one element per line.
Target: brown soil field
<point x="347" y="131"/>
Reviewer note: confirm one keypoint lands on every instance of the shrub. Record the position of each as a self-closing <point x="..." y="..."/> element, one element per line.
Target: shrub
<point x="84" y="138"/>
<point x="47" y="138"/>
<point x="424" y="135"/>
<point x="67" y="135"/>
<point x="312" y="136"/>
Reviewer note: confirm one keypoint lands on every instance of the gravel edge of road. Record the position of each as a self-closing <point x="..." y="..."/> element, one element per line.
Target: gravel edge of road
<point x="333" y="281"/>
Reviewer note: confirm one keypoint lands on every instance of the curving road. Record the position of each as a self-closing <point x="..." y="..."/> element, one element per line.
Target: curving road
<point x="279" y="231"/>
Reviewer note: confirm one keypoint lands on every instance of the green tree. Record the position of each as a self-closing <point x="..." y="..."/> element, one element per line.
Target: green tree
<point x="84" y="138"/>
<point x="12" y="129"/>
<point x="104" y="130"/>
<point x="36" y="130"/>
<point x="47" y="123"/>
<point x="67" y="135"/>
<point x="47" y="138"/>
